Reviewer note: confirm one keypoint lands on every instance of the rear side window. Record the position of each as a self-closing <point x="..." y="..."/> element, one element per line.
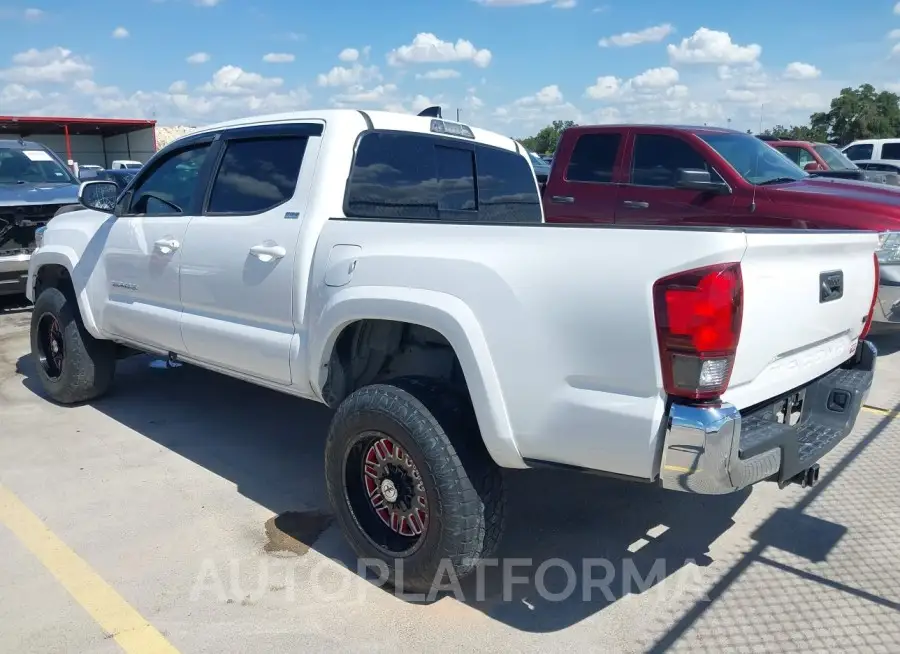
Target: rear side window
<point x="658" y="158"/>
<point x="420" y="177"/>
<point x="593" y="158"/>
<point x="890" y="151"/>
<point x="861" y="151"/>
<point x="506" y="188"/>
<point x="257" y="174"/>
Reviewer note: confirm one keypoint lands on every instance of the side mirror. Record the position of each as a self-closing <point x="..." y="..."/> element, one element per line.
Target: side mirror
<point x="700" y="180"/>
<point x="99" y="195"/>
<point x="812" y="166"/>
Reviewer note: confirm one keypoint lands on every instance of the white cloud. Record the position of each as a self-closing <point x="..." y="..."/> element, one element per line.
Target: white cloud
<point x="33" y="14"/>
<point x="607" y="86"/>
<point x="439" y="73"/>
<point x="278" y="58"/>
<point x="533" y="111"/>
<point x="800" y="70"/>
<point x="53" y="65"/>
<point x="197" y="58"/>
<point x="547" y="96"/>
<point x="895" y="50"/>
<point x="741" y="96"/>
<point x="349" y="54"/>
<point x="627" y="39"/>
<point x="897" y="8"/>
<point x="894" y="34"/>
<point x="427" y="48"/>
<point x="207" y="3"/>
<point x="708" y="46"/>
<point x="232" y="80"/>
<point x="359" y="94"/>
<point x="420" y="102"/>
<point x="178" y="87"/>
<point x="656" y="78"/>
<point x="355" y="74"/>
<point x="120" y="33"/>
<point x="564" y="4"/>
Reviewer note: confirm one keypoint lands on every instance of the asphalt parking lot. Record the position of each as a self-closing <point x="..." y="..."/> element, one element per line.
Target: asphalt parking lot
<point x="186" y="512"/>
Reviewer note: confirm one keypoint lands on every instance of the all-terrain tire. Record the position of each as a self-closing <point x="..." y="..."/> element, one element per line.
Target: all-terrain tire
<point x="464" y="486"/>
<point x="88" y="364"/>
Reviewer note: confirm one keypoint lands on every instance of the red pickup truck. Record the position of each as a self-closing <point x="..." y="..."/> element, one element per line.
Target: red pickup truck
<point x="676" y="175"/>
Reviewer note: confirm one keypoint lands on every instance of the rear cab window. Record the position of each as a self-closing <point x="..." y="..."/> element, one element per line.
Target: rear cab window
<point x="415" y="176"/>
<point x="594" y="158"/>
<point x="890" y="150"/>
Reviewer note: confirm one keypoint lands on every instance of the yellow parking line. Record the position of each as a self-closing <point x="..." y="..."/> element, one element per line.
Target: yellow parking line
<point x="878" y="410"/>
<point x="110" y="610"/>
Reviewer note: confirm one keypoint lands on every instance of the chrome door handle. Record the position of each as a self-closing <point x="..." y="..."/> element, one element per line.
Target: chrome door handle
<point x="631" y="204"/>
<point x="562" y="199"/>
<point x="167" y="245"/>
<point x="267" y="253"/>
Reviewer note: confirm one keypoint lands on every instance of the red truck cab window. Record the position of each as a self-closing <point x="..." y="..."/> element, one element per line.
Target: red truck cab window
<point x="585" y="192"/>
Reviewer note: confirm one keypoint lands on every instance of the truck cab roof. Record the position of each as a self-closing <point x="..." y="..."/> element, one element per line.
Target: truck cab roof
<point x="361" y="120"/>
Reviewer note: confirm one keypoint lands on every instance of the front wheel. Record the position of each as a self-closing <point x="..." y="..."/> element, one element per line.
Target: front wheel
<point x="71" y="364"/>
<point x="411" y="483"/>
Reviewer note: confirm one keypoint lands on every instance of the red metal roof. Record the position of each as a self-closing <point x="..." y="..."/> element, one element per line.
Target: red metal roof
<point x="59" y="124"/>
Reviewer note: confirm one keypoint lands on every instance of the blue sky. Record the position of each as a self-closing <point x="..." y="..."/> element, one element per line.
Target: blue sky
<point x="510" y="65"/>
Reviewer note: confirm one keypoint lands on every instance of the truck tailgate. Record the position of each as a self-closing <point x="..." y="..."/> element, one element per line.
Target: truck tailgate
<point x="793" y="329"/>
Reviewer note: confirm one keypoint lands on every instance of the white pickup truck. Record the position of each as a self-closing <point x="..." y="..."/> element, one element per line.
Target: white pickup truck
<point x="398" y="269"/>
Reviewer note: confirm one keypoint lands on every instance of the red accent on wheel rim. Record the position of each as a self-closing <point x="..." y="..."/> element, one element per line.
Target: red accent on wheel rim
<point x="395" y="488"/>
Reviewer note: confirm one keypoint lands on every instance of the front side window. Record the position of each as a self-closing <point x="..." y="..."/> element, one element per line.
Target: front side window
<point x="859" y="152"/>
<point x="594" y="158"/>
<point x="32" y="166"/>
<point x="753" y="159"/>
<point x="170" y="187"/>
<point x="805" y="158"/>
<point x="257" y="174"/>
<point x="420" y="177"/>
<point x="659" y="158"/>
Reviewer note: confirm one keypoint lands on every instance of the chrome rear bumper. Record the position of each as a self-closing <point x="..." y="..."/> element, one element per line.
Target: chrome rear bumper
<point x="718" y="449"/>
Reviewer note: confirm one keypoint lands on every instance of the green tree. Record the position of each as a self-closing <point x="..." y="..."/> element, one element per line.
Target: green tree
<point x="544" y="142"/>
<point x="860" y="113"/>
<point x="797" y="133"/>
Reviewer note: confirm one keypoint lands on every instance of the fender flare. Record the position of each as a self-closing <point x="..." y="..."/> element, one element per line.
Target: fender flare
<point x="66" y="257"/>
<point x="447" y="315"/>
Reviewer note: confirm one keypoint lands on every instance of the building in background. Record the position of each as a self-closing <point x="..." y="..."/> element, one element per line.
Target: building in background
<point x="93" y="141"/>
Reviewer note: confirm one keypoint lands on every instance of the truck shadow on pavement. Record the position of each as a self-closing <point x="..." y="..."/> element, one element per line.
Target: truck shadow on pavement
<point x="271" y="446"/>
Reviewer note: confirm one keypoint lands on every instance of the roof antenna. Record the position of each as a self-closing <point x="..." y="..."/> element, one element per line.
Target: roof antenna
<point x="756" y="165"/>
<point x="431" y="112"/>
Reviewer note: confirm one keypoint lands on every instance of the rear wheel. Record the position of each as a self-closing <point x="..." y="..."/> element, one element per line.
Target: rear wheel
<point x="411" y="483"/>
<point x="72" y="365"/>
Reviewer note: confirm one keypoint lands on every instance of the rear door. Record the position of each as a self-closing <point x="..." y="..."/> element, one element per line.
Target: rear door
<point x="585" y="190"/>
<point x="650" y="195"/>
<point x="237" y="276"/>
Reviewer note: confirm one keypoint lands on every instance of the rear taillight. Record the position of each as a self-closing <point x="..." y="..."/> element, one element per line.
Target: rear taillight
<point x="698" y="322"/>
<point x="868" y="325"/>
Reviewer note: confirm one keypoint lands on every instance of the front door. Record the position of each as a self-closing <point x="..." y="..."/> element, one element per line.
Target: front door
<point x="238" y="281"/>
<point x="651" y="195"/>
<point x="143" y="249"/>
